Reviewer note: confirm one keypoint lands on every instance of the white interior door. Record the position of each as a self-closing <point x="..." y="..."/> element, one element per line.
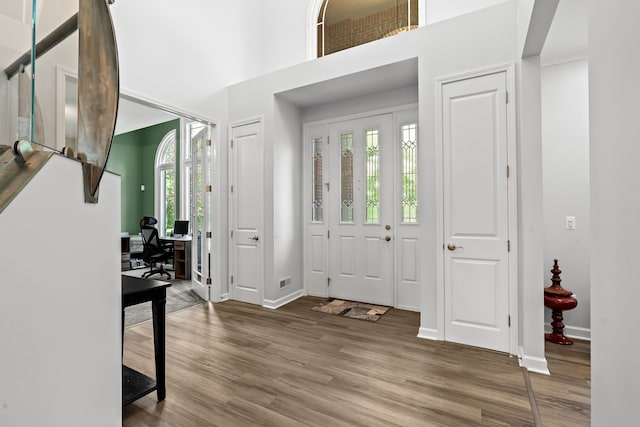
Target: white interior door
<point x="247" y="210"/>
<point x="476" y="272"/>
<point x="199" y="202"/>
<point x="361" y="244"/>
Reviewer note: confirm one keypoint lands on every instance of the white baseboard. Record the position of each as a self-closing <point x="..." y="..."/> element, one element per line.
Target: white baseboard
<point x="573" y="332"/>
<point x="403" y="307"/>
<point x="223" y="297"/>
<point x="428" y="334"/>
<point x="284" y="300"/>
<point x="533" y="364"/>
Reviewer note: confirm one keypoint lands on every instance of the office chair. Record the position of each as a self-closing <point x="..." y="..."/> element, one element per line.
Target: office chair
<point x="153" y="249"/>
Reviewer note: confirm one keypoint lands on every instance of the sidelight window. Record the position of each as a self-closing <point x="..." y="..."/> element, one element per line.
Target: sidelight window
<point x="409" y="146"/>
<point x="316" y="168"/>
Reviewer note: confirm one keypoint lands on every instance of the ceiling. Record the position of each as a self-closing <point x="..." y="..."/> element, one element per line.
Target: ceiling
<point x="133" y="116"/>
<point x="375" y="80"/>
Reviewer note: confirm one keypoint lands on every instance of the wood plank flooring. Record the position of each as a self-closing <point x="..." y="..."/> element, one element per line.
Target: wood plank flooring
<point x="235" y="364"/>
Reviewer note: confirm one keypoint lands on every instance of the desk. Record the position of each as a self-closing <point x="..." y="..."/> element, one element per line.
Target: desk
<point x="181" y="256"/>
<point x="136" y="290"/>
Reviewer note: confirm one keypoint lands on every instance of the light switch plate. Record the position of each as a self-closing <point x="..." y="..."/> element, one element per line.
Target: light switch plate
<point x="571" y="223"/>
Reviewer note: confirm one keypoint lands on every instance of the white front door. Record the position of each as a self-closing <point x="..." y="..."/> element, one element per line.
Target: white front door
<point x="476" y="271"/>
<point x="246" y="200"/>
<point x="360" y="210"/>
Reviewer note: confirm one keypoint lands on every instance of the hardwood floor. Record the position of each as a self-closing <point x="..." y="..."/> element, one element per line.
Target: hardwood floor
<point x="235" y="364"/>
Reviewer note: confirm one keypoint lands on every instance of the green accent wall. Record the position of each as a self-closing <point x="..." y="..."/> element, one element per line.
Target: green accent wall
<point x="133" y="156"/>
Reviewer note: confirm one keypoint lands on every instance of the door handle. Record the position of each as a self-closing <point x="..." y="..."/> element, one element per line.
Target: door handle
<point x="387" y="237"/>
<point x="453" y="247"/>
<point x="256" y="238"/>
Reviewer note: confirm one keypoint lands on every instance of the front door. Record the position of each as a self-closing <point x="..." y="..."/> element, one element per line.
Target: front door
<point x="360" y="210"/>
<point x="476" y="238"/>
<point x="246" y="213"/>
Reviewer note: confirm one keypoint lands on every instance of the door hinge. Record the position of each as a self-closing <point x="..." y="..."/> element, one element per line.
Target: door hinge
<point x="509" y="321"/>
<point x="327" y="184"/>
<point x="232" y="188"/>
<point x="328" y="234"/>
<point x="208" y="280"/>
<point x="208" y="189"/>
<point x="327" y="139"/>
<point x="208" y="142"/>
<point x="508" y="245"/>
<point x="506" y="96"/>
<point x="231" y="234"/>
<point x="208" y="234"/>
<point x="232" y="280"/>
<point x="231" y="142"/>
<point x="508" y="171"/>
<point x="328" y="281"/>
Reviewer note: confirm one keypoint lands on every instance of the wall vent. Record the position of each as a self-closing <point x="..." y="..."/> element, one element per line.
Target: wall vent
<point x="285" y="282"/>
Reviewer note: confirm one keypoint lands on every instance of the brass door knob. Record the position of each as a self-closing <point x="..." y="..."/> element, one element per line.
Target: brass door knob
<point x="387" y="237"/>
<point x="256" y="238"/>
<point x="453" y="247"/>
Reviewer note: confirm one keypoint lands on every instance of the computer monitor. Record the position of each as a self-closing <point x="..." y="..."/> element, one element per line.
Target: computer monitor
<point x="180" y="228"/>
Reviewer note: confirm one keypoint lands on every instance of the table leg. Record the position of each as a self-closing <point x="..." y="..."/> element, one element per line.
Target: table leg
<point x="159" y="314"/>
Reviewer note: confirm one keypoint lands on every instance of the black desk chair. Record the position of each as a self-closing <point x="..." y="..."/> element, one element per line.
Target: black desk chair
<point x="153" y="250"/>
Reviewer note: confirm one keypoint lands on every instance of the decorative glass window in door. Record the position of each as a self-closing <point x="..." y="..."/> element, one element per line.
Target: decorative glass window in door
<point x="372" y="202"/>
<point x="316" y="167"/>
<point x="409" y="147"/>
<point x="346" y="177"/>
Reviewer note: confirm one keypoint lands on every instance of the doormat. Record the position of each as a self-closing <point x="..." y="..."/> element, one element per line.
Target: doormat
<point x="355" y="310"/>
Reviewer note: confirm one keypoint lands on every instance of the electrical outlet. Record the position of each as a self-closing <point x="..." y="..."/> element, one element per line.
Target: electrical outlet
<point x="571" y="223"/>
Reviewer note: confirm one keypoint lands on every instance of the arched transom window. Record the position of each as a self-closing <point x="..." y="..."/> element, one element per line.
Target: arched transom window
<point x="343" y="24"/>
<point x="165" y="182"/>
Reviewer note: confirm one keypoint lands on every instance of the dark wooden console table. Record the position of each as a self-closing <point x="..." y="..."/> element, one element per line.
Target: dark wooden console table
<point x="137" y="290"/>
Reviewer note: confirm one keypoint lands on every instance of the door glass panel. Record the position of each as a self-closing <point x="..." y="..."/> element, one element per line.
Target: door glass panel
<point x="316" y="208"/>
<point x="346" y="174"/>
<point x="373" y="176"/>
<point x="167" y="182"/>
<point x="409" y="173"/>
<point x="197" y="138"/>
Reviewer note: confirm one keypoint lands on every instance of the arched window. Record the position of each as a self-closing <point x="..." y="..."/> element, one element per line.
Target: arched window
<point x="342" y="24"/>
<point x="165" y="183"/>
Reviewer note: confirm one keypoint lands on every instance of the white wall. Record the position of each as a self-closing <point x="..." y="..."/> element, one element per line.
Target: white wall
<point x="565" y="171"/>
<point x="284" y="34"/>
<point x="287" y="209"/>
<point x="60" y="311"/>
<point x="530" y="223"/>
<point x="615" y="210"/>
<point x="440" y="10"/>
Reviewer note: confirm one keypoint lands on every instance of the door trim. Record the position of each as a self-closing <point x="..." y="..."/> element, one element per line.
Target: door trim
<point x="512" y="200"/>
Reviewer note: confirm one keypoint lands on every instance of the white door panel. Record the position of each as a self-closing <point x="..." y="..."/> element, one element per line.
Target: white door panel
<point x="247" y="205"/>
<point x="360" y="210"/>
<point x="199" y="204"/>
<point x="476" y="212"/>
